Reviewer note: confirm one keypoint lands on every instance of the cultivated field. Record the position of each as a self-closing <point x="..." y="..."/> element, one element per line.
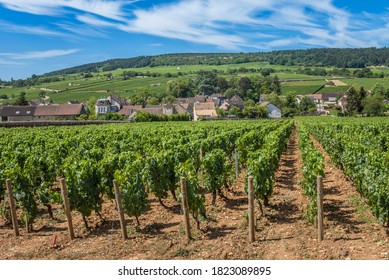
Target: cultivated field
<point x="147" y="161"/>
<point x="100" y="86"/>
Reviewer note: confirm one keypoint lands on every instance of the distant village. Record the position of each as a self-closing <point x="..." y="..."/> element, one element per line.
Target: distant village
<point x="200" y="107"/>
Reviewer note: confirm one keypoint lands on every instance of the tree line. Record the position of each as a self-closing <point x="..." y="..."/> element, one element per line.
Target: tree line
<point x="361" y="103"/>
<point x="325" y="57"/>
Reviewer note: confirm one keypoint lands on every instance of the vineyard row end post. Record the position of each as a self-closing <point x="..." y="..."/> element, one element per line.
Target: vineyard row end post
<point x="236" y="164"/>
<point x="12" y="207"/>
<point x="185" y="208"/>
<point x="320" y="207"/>
<point x="67" y="207"/>
<point x="201" y="168"/>
<point x="118" y="200"/>
<point x="251" y="209"/>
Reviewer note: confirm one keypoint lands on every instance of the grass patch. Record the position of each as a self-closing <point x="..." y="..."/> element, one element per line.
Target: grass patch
<point x="182" y="252"/>
<point x="362" y="210"/>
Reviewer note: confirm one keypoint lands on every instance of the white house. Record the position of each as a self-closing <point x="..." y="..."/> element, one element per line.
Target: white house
<point x="273" y="112"/>
<point x="103" y="106"/>
<point x="111" y="104"/>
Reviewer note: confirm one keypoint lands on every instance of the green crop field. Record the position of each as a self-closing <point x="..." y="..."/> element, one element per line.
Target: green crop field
<point x="306" y="87"/>
<point x="367" y="83"/>
<point x="77" y="87"/>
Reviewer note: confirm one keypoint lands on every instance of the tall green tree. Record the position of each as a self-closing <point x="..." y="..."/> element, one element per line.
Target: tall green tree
<point x="307" y="105"/>
<point x="178" y="88"/>
<point x="354" y="102"/>
<point x="21" y="100"/>
<point x="380" y="90"/>
<point x="276" y="85"/>
<point x="374" y="106"/>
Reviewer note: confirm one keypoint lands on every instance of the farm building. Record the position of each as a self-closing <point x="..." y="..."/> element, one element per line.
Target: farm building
<point x="167" y="109"/>
<point x="56" y="112"/>
<point x="204" y="110"/>
<point x="48" y="112"/>
<point x="17" y="113"/>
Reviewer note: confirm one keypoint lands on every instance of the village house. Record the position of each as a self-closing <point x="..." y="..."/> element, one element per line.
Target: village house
<point x="204" y="110"/>
<point x="59" y="112"/>
<point x="129" y="110"/>
<point x="326" y="100"/>
<point x="273" y="112"/>
<point x="103" y="106"/>
<point x="236" y="101"/>
<point x="342" y="102"/>
<point x="17" y="113"/>
<point x="47" y="112"/>
<point x="218" y="99"/>
<point x="111" y="104"/>
<point x="192" y="100"/>
<point x="167" y="109"/>
<point x="116" y="101"/>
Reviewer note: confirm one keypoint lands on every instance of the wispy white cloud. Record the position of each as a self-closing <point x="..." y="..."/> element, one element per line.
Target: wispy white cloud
<point x="9" y="63"/>
<point x="37" y="54"/>
<point x="94" y="21"/>
<point x="78" y="31"/>
<point x="229" y="25"/>
<point x="34" y="30"/>
<point x="221" y="23"/>
<point x="155" y="45"/>
<point x="107" y="8"/>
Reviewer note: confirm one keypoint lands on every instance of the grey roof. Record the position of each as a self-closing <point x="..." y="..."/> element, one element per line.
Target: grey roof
<point x="118" y="99"/>
<point x="128" y="110"/>
<point x="156" y="110"/>
<point x="267" y="103"/>
<point x="179" y="109"/>
<point x="60" y="110"/>
<point x="236" y="101"/>
<point x="103" y="102"/>
<point x="8" y="111"/>
<point x="327" y="95"/>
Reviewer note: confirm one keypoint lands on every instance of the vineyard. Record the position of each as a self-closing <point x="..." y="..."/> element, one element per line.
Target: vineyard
<point x="147" y="162"/>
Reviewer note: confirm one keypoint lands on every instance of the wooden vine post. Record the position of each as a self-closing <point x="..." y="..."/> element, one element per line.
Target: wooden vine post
<point x="27" y="224"/>
<point x="67" y="207"/>
<point x="119" y="205"/>
<point x="320" y="207"/>
<point x="236" y="164"/>
<point x="201" y="168"/>
<point x="185" y="208"/>
<point x="12" y="207"/>
<point x="251" y="209"/>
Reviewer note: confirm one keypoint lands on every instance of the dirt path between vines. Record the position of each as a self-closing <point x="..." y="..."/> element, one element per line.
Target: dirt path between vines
<point x="350" y="230"/>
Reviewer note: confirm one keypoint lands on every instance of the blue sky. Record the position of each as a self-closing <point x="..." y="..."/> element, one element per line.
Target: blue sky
<point x="38" y="36"/>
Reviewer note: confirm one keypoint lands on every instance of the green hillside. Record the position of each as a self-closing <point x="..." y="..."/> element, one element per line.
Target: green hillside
<point x="149" y="76"/>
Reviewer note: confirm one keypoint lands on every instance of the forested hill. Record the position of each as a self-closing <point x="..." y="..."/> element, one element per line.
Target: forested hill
<point x="330" y="57"/>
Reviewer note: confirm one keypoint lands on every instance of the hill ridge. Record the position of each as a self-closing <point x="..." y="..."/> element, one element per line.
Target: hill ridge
<point x="319" y="57"/>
